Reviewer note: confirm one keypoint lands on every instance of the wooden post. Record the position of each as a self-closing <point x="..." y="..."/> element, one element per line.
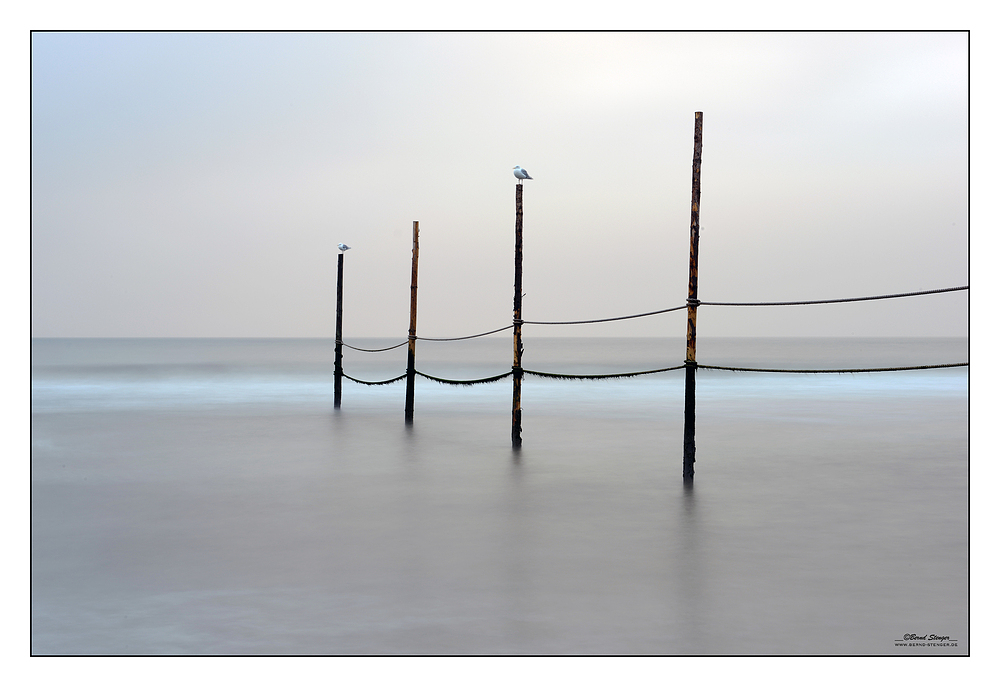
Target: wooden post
<point x="690" y="360"/>
<point x="515" y="434"/>
<point x="338" y="355"/>
<point x="412" y="349"/>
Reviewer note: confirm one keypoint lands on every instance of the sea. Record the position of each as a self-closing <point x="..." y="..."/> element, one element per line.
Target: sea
<point x="204" y="497"/>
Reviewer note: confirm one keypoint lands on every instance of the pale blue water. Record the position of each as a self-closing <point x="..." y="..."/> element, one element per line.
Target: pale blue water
<point x="202" y="497"/>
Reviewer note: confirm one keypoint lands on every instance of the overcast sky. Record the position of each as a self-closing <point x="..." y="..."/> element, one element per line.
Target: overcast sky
<point x="197" y="184"/>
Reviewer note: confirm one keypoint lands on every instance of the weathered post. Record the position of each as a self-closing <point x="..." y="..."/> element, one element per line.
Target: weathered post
<point x="690" y="361"/>
<point x="338" y="355"/>
<point x="515" y="435"/>
<point x="411" y="354"/>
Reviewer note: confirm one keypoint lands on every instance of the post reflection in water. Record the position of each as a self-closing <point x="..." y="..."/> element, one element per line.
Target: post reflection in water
<point x="691" y="578"/>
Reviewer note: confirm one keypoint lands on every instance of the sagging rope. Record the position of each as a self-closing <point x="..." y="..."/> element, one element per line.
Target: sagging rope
<point x="621" y="375"/>
<point x="465" y="382"/>
<point x="497" y="378"/>
<point x="458" y="382"/>
<point x="461" y="338"/>
<point x="665" y="310"/>
<point x="424" y="338"/>
<point x="388" y="381"/>
<point x="509" y="326"/>
<point x="611" y="319"/>
<point x="373" y="350"/>
<point x="841" y="371"/>
<point x="848" y="300"/>
<point x="614" y="375"/>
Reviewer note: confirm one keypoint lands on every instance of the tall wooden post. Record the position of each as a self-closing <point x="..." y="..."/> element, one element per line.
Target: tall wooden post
<point x="411" y="354"/>
<point x="515" y="434"/>
<point x="338" y="355"/>
<point x="690" y="360"/>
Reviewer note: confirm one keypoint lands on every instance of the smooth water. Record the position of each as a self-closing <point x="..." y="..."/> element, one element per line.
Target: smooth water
<point x="203" y="497"/>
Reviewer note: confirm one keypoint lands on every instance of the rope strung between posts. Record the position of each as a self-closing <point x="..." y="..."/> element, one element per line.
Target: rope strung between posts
<point x="509" y="326"/>
<point x="424" y="338"/>
<point x="459" y="382"/>
<point x="610" y="319"/>
<point x="871" y="369"/>
<point x="621" y="375"/>
<point x="497" y="378"/>
<point x="373" y="350"/>
<point x="388" y="381"/>
<point x="466" y="382"/>
<point x="615" y="375"/>
<point x="848" y="300"/>
<point x="658" y="312"/>
<point x="461" y="338"/>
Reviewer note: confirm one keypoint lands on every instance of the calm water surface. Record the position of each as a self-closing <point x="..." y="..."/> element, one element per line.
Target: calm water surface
<point x="202" y="497"/>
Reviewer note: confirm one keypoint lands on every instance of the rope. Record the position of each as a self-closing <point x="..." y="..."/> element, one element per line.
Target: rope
<point x="374" y="350"/>
<point x="388" y="381"/>
<point x="602" y="376"/>
<point x="872" y="369"/>
<point x="465" y="382"/>
<point x="611" y="319"/>
<point x="425" y="338"/>
<point x="658" y="312"/>
<point x="849" y="300"/>
<point x="620" y="375"/>
<point x="460" y="338"/>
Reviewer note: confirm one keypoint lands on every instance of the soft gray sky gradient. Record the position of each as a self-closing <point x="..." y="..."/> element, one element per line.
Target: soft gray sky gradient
<point x="197" y="184"/>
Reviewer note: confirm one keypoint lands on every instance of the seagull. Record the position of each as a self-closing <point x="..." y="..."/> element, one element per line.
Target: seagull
<point x="520" y="173"/>
<point x="343" y="247"/>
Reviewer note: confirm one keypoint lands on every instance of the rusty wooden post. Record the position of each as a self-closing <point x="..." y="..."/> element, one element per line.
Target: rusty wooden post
<point x="338" y="355"/>
<point x="690" y="361"/>
<point x="515" y="434"/>
<point x="411" y="354"/>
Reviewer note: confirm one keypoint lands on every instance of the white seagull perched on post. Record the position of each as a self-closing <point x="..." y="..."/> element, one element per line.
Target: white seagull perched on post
<point x="520" y="173"/>
<point x="343" y="247"/>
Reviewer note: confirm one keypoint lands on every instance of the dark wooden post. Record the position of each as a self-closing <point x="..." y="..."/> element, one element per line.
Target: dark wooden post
<point x="515" y="434"/>
<point x="690" y="360"/>
<point x="411" y="354"/>
<point x="338" y="355"/>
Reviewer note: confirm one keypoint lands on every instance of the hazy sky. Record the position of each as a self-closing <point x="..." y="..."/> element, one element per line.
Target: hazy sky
<point x="197" y="184"/>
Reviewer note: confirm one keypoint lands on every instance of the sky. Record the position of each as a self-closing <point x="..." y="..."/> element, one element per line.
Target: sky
<point x="197" y="184"/>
